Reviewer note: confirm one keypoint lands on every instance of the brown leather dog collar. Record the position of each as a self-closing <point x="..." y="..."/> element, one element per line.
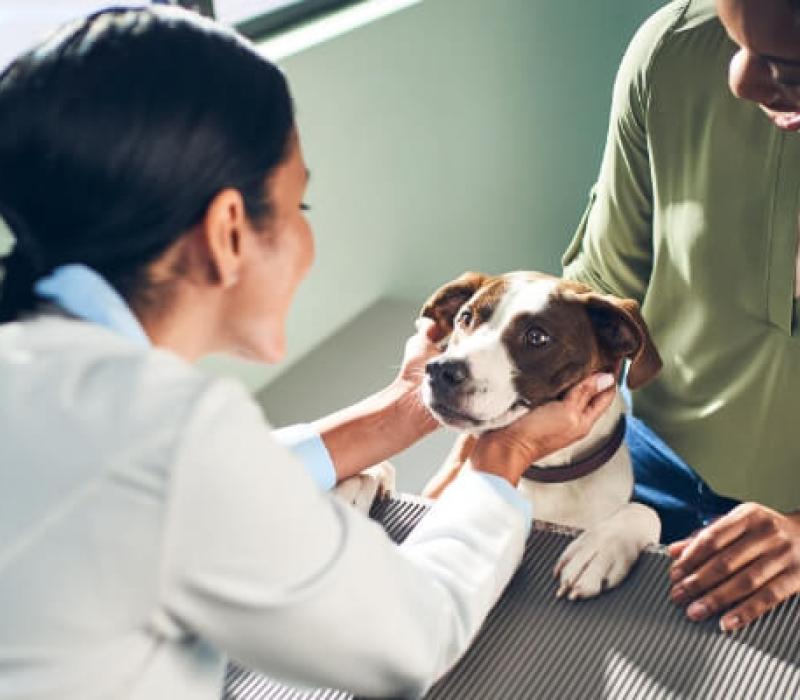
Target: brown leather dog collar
<point x="569" y="472"/>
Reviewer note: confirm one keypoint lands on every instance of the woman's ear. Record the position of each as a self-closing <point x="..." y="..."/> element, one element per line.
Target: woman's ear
<point x="223" y="229"/>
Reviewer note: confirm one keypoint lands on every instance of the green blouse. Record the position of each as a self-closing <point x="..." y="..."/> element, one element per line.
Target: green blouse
<point x="695" y="215"/>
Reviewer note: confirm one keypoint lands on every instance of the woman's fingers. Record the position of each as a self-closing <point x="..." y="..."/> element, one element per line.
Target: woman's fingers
<point x="676" y="549"/>
<point x="716" y="570"/>
<point x="762" y="601"/>
<point x="546" y="428"/>
<point x="590" y="397"/>
<point x="429" y="329"/>
<point x="601" y="400"/>
<point x="581" y="395"/>
<point x="712" y="540"/>
<point x="749" y="558"/>
<point x="559" y="423"/>
<point x="420" y="348"/>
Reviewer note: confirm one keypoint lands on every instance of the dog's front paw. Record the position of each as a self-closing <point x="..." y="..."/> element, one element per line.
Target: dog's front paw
<point x="594" y="562"/>
<point x="361" y="490"/>
<point x="602" y="556"/>
<point x="386" y="477"/>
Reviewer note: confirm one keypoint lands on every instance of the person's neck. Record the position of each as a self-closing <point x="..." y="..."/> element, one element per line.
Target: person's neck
<point x="184" y="329"/>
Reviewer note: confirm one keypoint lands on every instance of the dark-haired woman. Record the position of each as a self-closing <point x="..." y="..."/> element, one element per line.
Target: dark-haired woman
<point x="151" y="524"/>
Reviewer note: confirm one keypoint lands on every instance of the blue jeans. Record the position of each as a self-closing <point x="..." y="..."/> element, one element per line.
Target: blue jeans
<point x="663" y="481"/>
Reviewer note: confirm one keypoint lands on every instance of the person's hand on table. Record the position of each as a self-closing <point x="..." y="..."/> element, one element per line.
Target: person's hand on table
<point x="511" y="450"/>
<point x="741" y="565"/>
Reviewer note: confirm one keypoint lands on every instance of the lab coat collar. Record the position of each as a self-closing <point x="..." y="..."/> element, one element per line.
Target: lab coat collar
<point x="81" y="291"/>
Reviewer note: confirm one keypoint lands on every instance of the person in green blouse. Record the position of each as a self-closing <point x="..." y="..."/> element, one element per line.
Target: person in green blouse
<point x="695" y="215"/>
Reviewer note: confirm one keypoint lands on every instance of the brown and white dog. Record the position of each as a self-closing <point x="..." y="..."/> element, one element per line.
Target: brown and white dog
<point x="519" y="340"/>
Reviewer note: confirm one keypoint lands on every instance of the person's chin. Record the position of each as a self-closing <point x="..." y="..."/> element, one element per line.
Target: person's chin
<point x="272" y="352"/>
<point x="786" y="121"/>
<point x="268" y="350"/>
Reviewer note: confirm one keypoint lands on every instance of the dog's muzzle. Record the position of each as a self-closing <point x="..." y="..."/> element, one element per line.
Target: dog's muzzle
<point x="446" y="377"/>
<point x="448" y="382"/>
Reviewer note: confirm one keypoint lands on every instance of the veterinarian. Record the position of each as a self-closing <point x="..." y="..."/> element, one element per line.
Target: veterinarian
<point x="695" y="215"/>
<point x="151" y="523"/>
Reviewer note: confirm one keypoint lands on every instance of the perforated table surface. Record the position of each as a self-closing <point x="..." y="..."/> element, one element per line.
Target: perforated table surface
<point x="631" y="642"/>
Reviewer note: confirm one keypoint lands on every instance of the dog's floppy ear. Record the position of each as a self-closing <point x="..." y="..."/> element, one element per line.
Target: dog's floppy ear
<point x="621" y="330"/>
<point x="443" y="304"/>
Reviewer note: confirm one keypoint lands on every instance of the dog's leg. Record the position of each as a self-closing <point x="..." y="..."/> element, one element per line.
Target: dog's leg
<point x="361" y="490"/>
<point x="459" y="454"/>
<point x="602" y="556"/>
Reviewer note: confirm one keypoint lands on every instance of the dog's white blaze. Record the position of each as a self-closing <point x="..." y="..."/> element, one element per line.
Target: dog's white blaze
<point x="525" y="296"/>
<point x="490" y="363"/>
<point x="491" y="370"/>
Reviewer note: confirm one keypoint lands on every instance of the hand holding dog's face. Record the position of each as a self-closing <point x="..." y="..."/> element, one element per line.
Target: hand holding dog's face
<point x="530" y="343"/>
<point x="421" y="348"/>
<point x="519" y="340"/>
<point x="544" y="430"/>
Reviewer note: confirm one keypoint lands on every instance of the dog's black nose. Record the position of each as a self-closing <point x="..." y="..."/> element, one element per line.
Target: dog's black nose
<point x="447" y="374"/>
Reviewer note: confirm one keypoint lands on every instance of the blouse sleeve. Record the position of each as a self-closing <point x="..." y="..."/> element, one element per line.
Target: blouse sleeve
<point x="307" y="444"/>
<point x="289" y="581"/>
<point x="613" y="247"/>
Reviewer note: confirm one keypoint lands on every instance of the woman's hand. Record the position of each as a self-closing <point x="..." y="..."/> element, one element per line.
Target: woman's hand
<point x="387" y="422"/>
<point x="745" y="563"/>
<point x="411" y="413"/>
<point x="511" y="450"/>
<point x="420" y="348"/>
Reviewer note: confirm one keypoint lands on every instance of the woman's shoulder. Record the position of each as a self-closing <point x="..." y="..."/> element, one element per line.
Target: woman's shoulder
<point x="698" y="13"/>
<point x="676" y="22"/>
<point x="680" y="16"/>
<point x="670" y="53"/>
<point x="101" y="394"/>
<point x="62" y="349"/>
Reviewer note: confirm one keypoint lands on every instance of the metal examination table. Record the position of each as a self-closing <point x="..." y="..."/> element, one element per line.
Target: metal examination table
<point x="631" y="642"/>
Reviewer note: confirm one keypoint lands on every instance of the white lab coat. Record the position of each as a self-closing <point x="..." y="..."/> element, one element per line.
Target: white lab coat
<point x="151" y="527"/>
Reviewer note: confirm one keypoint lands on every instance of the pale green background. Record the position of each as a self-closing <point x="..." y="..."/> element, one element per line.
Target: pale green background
<point x="452" y="135"/>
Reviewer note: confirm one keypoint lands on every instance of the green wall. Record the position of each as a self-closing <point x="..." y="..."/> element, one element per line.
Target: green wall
<point x="452" y="135"/>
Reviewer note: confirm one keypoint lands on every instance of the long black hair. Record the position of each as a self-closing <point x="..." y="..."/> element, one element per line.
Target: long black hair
<point x="116" y="134"/>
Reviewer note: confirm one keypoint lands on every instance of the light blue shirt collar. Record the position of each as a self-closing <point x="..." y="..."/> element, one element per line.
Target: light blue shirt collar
<point x="84" y="293"/>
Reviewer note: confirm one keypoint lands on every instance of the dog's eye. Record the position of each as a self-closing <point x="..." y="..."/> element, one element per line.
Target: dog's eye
<point x="536" y="337"/>
<point x="465" y="318"/>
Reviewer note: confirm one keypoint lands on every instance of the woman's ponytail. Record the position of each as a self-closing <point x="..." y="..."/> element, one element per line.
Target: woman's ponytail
<point x="21" y="269"/>
<point x="117" y="133"/>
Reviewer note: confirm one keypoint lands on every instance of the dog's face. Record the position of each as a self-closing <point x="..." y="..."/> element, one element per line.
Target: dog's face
<point x="521" y="339"/>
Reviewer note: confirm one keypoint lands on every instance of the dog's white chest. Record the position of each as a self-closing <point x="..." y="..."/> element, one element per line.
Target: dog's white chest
<point x="590" y="499"/>
<point x="584" y="502"/>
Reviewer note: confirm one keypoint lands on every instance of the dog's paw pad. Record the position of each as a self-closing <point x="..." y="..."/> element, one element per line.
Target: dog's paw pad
<point x="592" y="564"/>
